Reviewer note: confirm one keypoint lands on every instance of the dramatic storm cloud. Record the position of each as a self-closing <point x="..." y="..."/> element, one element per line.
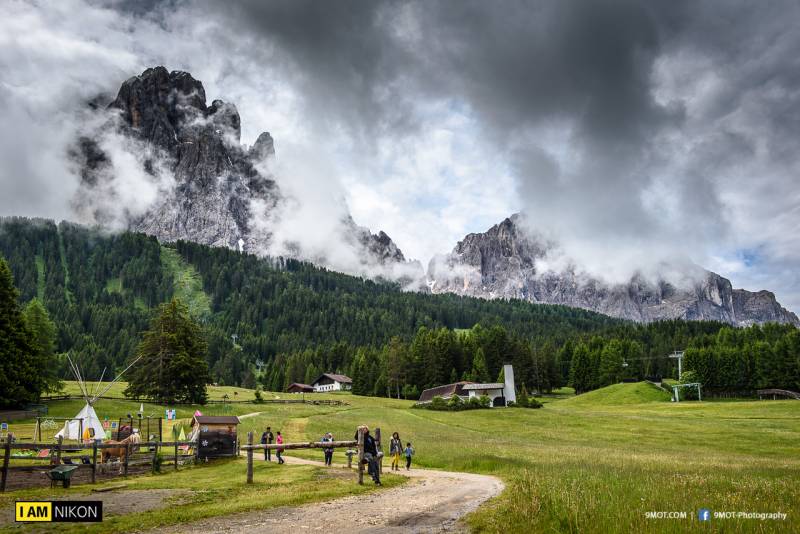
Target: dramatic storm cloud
<point x="633" y="133"/>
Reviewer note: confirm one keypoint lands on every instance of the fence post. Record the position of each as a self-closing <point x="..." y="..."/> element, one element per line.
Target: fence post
<point x="250" y="457"/>
<point x="155" y="454"/>
<point x="361" y="455"/>
<point x="380" y="449"/>
<point x="58" y="450"/>
<point x="176" y="456"/>
<point x="94" y="461"/>
<point x="6" y="458"/>
<point x="127" y="455"/>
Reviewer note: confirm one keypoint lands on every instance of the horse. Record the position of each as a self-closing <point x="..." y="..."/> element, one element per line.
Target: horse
<point x="121" y="451"/>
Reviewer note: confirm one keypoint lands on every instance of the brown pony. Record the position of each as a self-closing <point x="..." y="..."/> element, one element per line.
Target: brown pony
<point x="122" y="450"/>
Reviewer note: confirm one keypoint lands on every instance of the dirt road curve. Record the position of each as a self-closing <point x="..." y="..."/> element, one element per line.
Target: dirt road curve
<point x="433" y="501"/>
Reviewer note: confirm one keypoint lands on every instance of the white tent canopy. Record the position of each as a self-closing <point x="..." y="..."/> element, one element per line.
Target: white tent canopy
<point x="73" y="428"/>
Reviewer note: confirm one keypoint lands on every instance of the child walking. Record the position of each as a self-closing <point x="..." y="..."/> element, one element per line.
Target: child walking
<point x="395" y="448"/>
<point x="279" y="452"/>
<point x="409" y="452"/>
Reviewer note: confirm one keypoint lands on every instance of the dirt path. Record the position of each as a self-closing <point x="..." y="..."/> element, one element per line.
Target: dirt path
<point x="433" y="501"/>
<point x="253" y="414"/>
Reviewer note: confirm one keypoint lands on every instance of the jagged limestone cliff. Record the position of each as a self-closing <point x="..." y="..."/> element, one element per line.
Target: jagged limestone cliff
<point x="502" y="263"/>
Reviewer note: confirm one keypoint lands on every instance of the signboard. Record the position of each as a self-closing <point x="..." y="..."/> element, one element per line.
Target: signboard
<point x="4" y="427"/>
<point x="170" y="414"/>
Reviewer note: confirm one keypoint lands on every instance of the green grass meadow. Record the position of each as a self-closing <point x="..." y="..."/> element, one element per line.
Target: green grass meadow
<point x="597" y="462"/>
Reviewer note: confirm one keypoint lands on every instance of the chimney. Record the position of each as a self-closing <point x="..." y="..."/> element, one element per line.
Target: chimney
<point x="508" y="387"/>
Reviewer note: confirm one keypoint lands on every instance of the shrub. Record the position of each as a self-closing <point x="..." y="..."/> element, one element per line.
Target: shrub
<point x="455" y="403"/>
<point x="258" y="397"/>
<point x="533" y="403"/>
<point x="438" y="403"/>
<point x="474" y="403"/>
<point x="485" y="401"/>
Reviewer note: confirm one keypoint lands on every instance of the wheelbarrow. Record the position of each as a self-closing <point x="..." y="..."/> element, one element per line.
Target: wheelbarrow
<point x="61" y="473"/>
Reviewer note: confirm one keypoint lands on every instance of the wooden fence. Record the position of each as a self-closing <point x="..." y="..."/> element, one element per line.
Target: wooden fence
<point x="322" y="402"/>
<point x="56" y="457"/>
<point x="359" y="444"/>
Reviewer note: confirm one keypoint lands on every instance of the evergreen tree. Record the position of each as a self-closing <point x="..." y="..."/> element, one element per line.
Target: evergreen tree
<point x="582" y="371"/>
<point x="611" y="363"/>
<point x="479" y="371"/>
<point x="44" y="341"/>
<point x="173" y="354"/>
<point x="21" y="378"/>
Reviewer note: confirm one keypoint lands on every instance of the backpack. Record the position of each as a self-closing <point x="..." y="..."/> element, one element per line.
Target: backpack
<point x="264" y="437"/>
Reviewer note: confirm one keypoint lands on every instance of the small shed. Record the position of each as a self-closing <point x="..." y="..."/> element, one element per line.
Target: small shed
<point x="215" y="434"/>
<point x="296" y="387"/>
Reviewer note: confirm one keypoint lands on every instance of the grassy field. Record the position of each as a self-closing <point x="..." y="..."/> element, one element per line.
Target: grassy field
<point x="592" y="463"/>
<point x="187" y="282"/>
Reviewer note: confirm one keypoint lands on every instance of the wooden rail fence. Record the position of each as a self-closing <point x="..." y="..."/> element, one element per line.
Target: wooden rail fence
<point x="57" y="456"/>
<point x="320" y="402"/>
<point x="359" y="444"/>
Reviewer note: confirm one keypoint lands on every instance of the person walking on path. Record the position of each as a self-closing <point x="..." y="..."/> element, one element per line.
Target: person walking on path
<point x="266" y="439"/>
<point x="328" y="438"/>
<point x="279" y="452"/>
<point x="409" y="452"/>
<point x="395" y="449"/>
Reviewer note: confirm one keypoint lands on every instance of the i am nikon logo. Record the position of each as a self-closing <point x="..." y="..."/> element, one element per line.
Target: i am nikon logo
<point x="59" y="511"/>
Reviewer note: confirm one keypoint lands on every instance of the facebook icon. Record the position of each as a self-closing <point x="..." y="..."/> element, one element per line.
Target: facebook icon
<point x="704" y="514"/>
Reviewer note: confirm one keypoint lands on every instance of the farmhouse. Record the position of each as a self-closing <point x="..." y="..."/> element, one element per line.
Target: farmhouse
<point x="299" y="388"/>
<point x="499" y="393"/>
<point x="332" y="382"/>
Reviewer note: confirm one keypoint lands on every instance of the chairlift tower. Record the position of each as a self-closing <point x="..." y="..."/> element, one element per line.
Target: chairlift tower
<point x="678" y="355"/>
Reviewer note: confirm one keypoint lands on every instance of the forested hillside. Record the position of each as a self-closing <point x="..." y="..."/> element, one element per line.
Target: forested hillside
<point x="276" y="321"/>
<point x="100" y="290"/>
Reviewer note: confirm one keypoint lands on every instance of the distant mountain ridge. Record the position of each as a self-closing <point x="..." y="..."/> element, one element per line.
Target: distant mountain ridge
<point x="502" y="263"/>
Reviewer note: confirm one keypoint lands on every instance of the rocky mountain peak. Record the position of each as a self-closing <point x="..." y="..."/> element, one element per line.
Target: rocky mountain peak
<point x="502" y="263"/>
<point x="263" y="148"/>
<point x="216" y="186"/>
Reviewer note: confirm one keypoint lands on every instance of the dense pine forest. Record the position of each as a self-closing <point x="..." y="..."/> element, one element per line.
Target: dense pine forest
<point x="273" y="321"/>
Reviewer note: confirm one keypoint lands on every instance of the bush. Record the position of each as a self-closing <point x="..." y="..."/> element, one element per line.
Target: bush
<point x="485" y="401"/>
<point x="533" y="403"/>
<point x="258" y="397"/>
<point x="455" y="403"/>
<point x="438" y="403"/>
<point x="474" y="403"/>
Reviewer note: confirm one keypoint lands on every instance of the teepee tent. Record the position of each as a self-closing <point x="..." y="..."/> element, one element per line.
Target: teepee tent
<point x="73" y="428"/>
<point x="87" y="417"/>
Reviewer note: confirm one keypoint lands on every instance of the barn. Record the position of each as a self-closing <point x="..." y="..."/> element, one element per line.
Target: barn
<point x="296" y="387"/>
<point x="499" y="393"/>
<point x="332" y="382"/>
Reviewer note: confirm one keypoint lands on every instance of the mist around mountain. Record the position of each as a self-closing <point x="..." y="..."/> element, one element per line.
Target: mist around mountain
<point x="511" y="261"/>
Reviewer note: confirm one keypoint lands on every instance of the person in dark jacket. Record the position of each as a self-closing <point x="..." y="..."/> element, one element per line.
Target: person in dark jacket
<point x="328" y="438"/>
<point x="266" y="439"/>
<point x="371" y="456"/>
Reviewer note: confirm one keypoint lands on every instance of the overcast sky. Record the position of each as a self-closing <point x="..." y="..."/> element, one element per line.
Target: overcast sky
<point x="632" y="132"/>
